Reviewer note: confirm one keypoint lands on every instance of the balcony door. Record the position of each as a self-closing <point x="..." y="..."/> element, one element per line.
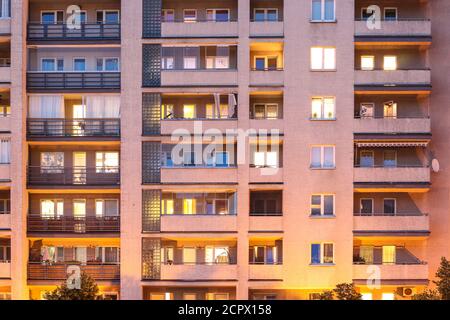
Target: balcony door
<point x="79" y="124"/>
<point x="389" y="254"/>
<point x="79" y="167"/>
<point x="390" y="110"/>
<point x="366" y="159"/>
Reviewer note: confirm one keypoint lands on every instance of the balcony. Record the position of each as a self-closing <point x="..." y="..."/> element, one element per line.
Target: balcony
<point x="418" y="271"/>
<point x="199" y="77"/>
<point x="95" y="32"/>
<point x="5" y="26"/>
<point x="5" y="70"/>
<point x="5" y="221"/>
<point x="58" y="271"/>
<point x="199" y="272"/>
<point x="399" y="174"/>
<point x="198" y="222"/>
<point x="267" y="77"/>
<point x="261" y="29"/>
<point x="81" y="81"/>
<point x="392" y="125"/>
<point x="76" y="129"/>
<point x="398" y="222"/>
<point x="168" y="126"/>
<point x="5" y="269"/>
<point x="203" y="29"/>
<point x="266" y="222"/>
<point x="266" y="175"/>
<point x="396" y="28"/>
<point x="393" y="77"/>
<point x="5" y="123"/>
<point x="195" y="175"/>
<point x="38" y="224"/>
<point x="73" y="176"/>
<point x="268" y="272"/>
<point x="5" y="172"/>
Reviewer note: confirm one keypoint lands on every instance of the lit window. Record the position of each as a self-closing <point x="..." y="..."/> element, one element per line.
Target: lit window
<point x="323" y="10"/>
<point x="52" y="208"/>
<point x="367" y="62"/>
<point x="322" y="253"/>
<point x="390" y="63"/>
<point x="190" y="62"/>
<point x="389" y="254"/>
<point x="266" y="63"/>
<point x="217" y="63"/>
<point x="52" y="162"/>
<point x="214" y="255"/>
<point x="323" y="108"/>
<point x="189" y="111"/>
<point x="107" y="162"/>
<point x="213" y="113"/>
<point x="167" y="63"/>
<point x="265" y="159"/>
<point x="265" y="111"/>
<point x="322" y="157"/>
<point x="79" y="208"/>
<point x="387" y="296"/>
<point x="189" y="255"/>
<point x="366" y="296"/>
<point x="323" y="58"/>
<point x="167" y="15"/>
<point x="189" y="206"/>
<point x="322" y="205"/>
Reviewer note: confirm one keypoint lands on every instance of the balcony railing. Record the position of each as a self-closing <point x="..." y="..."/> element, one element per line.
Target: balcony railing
<point x="229" y="258"/>
<point x="37" y="223"/>
<point x="73" y="128"/>
<point x="75" y="176"/>
<point x="384" y="214"/>
<point x="58" y="271"/>
<point x="402" y="257"/>
<point x="61" y="31"/>
<point x="73" y="80"/>
<point x="266" y="214"/>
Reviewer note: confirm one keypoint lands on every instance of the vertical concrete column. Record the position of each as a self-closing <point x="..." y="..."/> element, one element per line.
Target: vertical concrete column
<point x="131" y="130"/>
<point x="243" y="168"/>
<point x="19" y="153"/>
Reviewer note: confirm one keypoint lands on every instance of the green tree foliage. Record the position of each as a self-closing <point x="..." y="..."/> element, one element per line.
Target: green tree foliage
<point x="346" y="291"/>
<point x="88" y="291"/>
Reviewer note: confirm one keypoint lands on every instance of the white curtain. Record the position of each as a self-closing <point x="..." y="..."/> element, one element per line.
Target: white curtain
<point x="46" y="107"/>
<point x="5" y="150"/>
<point x="102" y="107"/>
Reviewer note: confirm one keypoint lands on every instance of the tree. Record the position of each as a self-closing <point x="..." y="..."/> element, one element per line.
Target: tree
<point x="88" y="291"/>
<point x="346" y="291"/>
<point x="326" y="295"/>
<point x="427" y="294"/>
<point x="443" y="279"/>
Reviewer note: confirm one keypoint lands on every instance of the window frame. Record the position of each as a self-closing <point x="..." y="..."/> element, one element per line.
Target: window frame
<point x="323" y="69"/>
<point x="322" y="108"/>
<point x="396" y="158"/>
<point x="366" y="104"/>
<point x="266" y="62"/>
<point x="373" y="158"/>
<point x="164" y="14"/>
<point x="372" y="206"/>
<point x="79" y="58"/>
<point x="215" y="13"/>
<point x="55" y="208"/>
<point x="321" y="253"/>
<point x="322" y="154"/>
<point x="195" y="19"/>
<point x="104" y="11"/>
<point x="373" y="62"/>
<point x="384" y="62"/>
<point x="321" y="206"/>
<point x="103" y="59"/>
<point x="322" y="12"/>
<point x="104" y="168"/>
<point x="55" y="12"/>
<point x="395" y="205"/>
<point x="55" y="61"/>
<point x="103" y="213"/>
<point x="266" y="106"/>
<point x="390" y="8"/>
<point x="266" y="14"/>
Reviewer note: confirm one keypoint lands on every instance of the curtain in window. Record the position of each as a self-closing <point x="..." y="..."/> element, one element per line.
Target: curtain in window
<point x="366" y="253"/>
<point x="5" y="150"/>
<point x="46" y="107"/>
<point x="98" y="107"/>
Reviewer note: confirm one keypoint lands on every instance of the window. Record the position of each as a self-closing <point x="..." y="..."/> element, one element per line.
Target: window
<point x="213" y="113"/>
<point x="52" y="162"/>
<point x="167" y="15"/>
<point x="107" y="162"/>
<point x="108" y="16"/>
<point x="366" y="254"/>
<point x="79" y="208"/>
<point x="388" y="296"/>
<point x="161" y="296"/>
<point x="5" y="253"/>
<point x="388" y="254"/>
<point x="79" y="64"/>
<point x="5" y="206"/>
<point x="366" y="296"/>
<point x="167" y="255"/>
<point x="265" y="14"/>
<point x="108" y="64"/>
<point x="220" y="159"/>
<point x="217" y="62"/>
<point x="367" y="62"/>
<point x="107" y="255"/>
<point x="80" y="255"/>
<point x="190" y="62"/>
<point x="322" y="253"/>
<point x="366" y="159"/>
<point x="189" y="206"/>
<point x="167" y="63"/>
<point x="189" y="296"/>
<point x="389" y="207"/>
<point x="218" y="15"/>
<point x="390" y="63"/>
<point x="217" y="296"/>
<point x="390" y="158"/>
<point x="322" y="205"/>
<point x="322" y="157"/>
<point x="265" y="111"/>
<point x="167" y="206"/>
<point x="189" y="255"/>
<point x="52" y="64"/>
<point x="214" y="255"/>
<point x="266" y="63"/>
<point x="167" y="111"/>
<point x="189" y="15"/>
<point x="390" y="14"/>
<point x="323" y="108"/>
<point x="106" y="208"/>
<point x="390" y="110"/>
<point x="110" y="296"/>
<point x="367" y="110"/>
<point x="5" y="150"/>
<point x="264" y="255"/>
<point x="366" y="206"/>
<point x="5" y="111"/>
<point x="51" y="209"/>
<point x="189" y="111"/>
<point x="5" y="10"/>
<point x="323" y="58"/>
<point x="5" y="295"/>
<point x="323" y="10"/>
<point x="52" y="17"/>
<point x="265" y="159"/>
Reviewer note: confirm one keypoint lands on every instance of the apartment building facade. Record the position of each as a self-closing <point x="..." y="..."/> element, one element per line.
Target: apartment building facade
<point x="327" y="170"/>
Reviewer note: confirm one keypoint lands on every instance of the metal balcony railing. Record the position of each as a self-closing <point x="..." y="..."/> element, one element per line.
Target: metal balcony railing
<point x="37" y="223"/>
<point x="64" y="32"/>
<point x="58" y="271"/>
<point x="73" y="80"/>
<point x="73" y="127"/>
<point x="75" y="176"/>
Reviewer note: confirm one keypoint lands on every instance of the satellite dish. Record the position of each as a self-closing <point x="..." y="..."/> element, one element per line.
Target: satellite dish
<point x="435" y="165"/>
